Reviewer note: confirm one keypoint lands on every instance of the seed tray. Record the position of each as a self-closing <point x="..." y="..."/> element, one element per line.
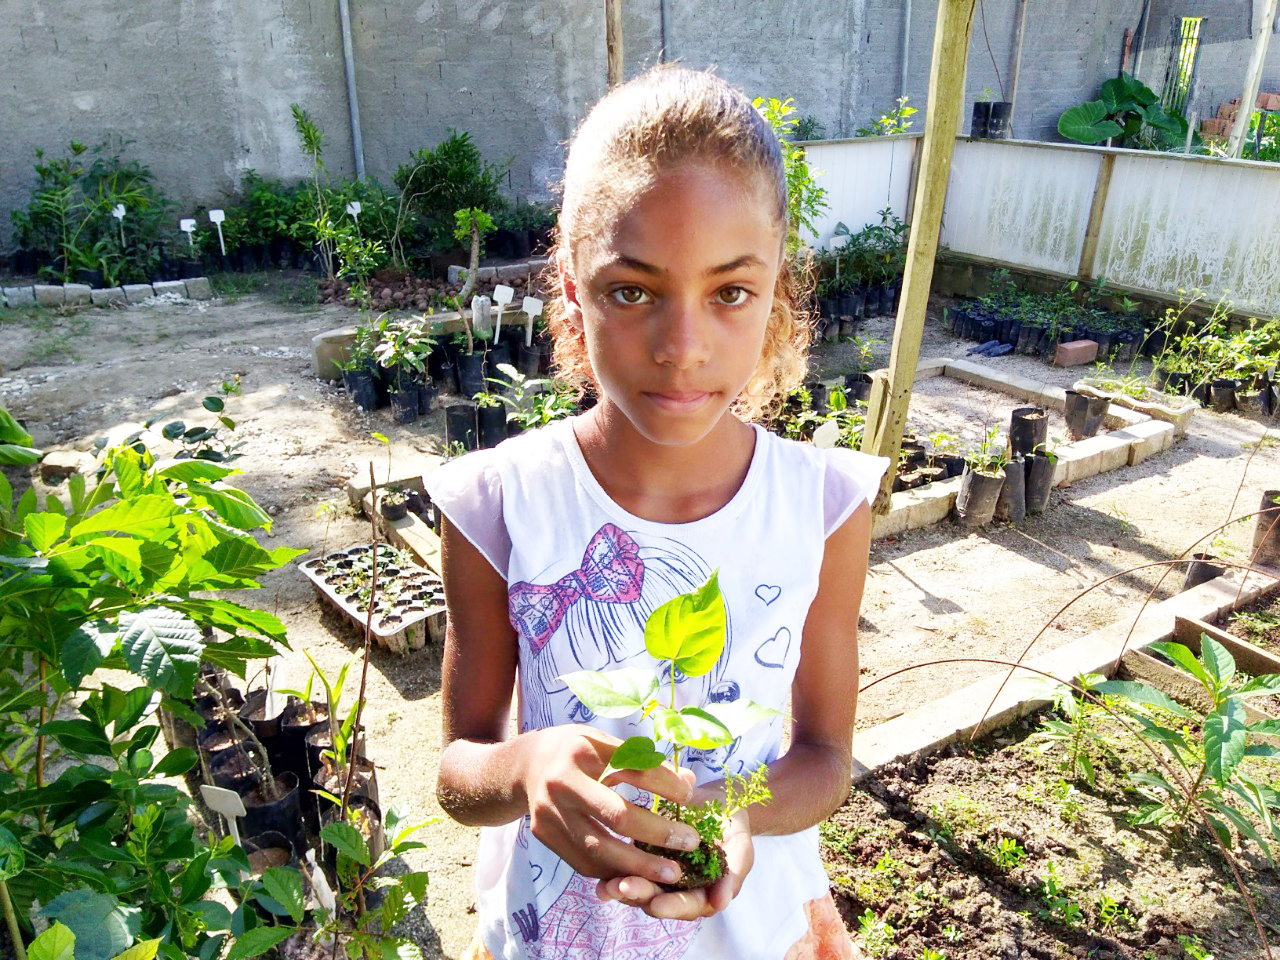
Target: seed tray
<point x="411" y="597"/>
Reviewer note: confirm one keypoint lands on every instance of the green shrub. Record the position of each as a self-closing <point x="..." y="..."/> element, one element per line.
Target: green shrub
<point x="446" y="178"/>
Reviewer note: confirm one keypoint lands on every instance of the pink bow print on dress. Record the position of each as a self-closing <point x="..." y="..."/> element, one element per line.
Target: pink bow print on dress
<point x="611" y="572"/>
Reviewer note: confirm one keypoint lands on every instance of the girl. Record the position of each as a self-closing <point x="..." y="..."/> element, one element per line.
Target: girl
<point x="676" y="306"/>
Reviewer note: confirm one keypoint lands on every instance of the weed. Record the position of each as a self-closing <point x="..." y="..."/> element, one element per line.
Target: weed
<point x="1256" y="625"/>
<point x="928" y="953"/>
<point x="835" y="837"/>
<point x="952" y="933"/>
<point x="1112" y="912"/>
<point x="1076" y="732"/>
<point x="1193" y="948"/>
<point x="1058" y="905"/>
<point x="876" y="934"/>
<point x="960" y="815"/>
<point x="1127" y="527"/>
<point x="1008" y="853"/>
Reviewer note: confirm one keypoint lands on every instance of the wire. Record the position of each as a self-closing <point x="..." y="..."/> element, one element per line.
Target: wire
<point x="982" y="10"/>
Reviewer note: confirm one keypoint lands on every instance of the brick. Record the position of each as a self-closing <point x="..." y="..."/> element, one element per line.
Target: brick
<point x="1099" y="454"/>
<point x="107" y="296"/>
<point x="162" y="287"/>
<point x="1146" y="439"/>
<point x="77" y="294"/>
<point x="199" y="288"/>
<point x="1272" y="101"/>
<point x="49" y="295"/>
<point x="19" y="297"/>
<point x="1212" y="127"/>
<point x="327" y="349"/>
<point x="1074" y="353"/>
<point x="137" y="292"/>
<point x="931" y="367"/>
<point x="1225" y="111"/>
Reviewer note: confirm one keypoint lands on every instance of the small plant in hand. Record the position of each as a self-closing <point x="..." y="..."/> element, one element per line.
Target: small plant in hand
<point x="686" y="636"/>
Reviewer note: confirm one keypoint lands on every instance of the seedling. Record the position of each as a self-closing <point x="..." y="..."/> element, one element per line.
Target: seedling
<point x="876" y="934"/>
<point x="686" y="636"/>
<point x="1009" y="853"/>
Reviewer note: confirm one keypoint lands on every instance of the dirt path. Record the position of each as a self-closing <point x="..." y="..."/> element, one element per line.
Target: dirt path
<point x="931" y="594"/>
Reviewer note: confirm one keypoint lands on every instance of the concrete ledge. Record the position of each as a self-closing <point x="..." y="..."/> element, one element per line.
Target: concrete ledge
<point x="199" y="288"/>
<point x="19" y="297"/>
<point x="931" y="367"/>
<point x="107" y="296"/>
<point x="1147" y="438"/>
<point x="162" y="287"/>
<point x="407" y="470"/>
<point x="137" y="292"/>
<point x="1042" y="394"/>
<point x="944" y="721"/>
<point x="915" y="509"/>
<point x="48" y="295"/>
<point x="331" y="346"/>
<point x="76" y="294"/>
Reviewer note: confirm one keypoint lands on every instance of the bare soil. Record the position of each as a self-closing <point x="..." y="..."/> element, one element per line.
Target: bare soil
<point x="934" y="594"/>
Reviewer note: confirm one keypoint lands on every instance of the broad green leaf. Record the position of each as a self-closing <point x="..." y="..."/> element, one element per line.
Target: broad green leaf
<point x="78" y="736"/>
<point x="44" y="529"/>
<point x="16" y="455"/>
<point x="1217" y="660"/>
<point x="234" y="506"/>
<point x="1260" y="686"/>
<point x="233" y="618"/>
<point x="1224" y="740"/>
<point x="56" y="943"/>
<point x="142" y="950"/>
<point x="145" y="517"/>
<point x="634" y="753"/>
<point x="240" y="558"/>
<point x="691" y="727"/>
<point x="103" y="926"/>
<point x="285" y="887"/>
<point x="1267" y="728"/>
<point x="213" y="404"/>
<point x="1262" y="751"/>
<point x="163" y="647"/>
<point x="689" y="630"/>
<point x="214" y="914"/>
<point x="255" y="942"/>
<point x="176" y="762"/>
<point x="1088" y="123"/>
<point x="613" y="693"/>
<point x="739" y="716"/>
<point x="1141" y="693"/>
<point x="347" y="840"/>
<point x="128" y="471"/>
<point x="12" y="859"/>
<point x="84" y="650"/>
<point x="1184" y="658"/>
<point x="188" y="471"/>
<point x="10" y="430"/>
<point x="121" y="555"/>
<point x="396" y="948"/>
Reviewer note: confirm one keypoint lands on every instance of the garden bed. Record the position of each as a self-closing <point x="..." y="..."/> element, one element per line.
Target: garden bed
<point x="1258" y="623"/>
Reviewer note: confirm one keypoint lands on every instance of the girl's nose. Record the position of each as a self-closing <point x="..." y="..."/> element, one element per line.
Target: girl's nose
<point x="682" y="337"/>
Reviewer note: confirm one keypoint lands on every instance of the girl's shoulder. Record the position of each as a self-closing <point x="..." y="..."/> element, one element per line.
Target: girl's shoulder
<point x="848" y="478"/>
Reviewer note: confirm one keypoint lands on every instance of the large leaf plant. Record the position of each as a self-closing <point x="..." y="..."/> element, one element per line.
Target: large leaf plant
<point x="107" y="609"/>
<point x="1128" y="111"/>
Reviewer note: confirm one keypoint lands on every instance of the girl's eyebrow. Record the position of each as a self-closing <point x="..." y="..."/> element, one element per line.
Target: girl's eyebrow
<point x="640" y="266"/>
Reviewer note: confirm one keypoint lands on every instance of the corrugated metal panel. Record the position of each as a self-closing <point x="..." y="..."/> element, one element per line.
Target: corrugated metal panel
<point x="1175" y="224"/>
<point x="1020" y="204"/>
<point x="861" y="178"/>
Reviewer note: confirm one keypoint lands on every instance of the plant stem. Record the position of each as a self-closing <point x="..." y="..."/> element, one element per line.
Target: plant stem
<point x="11" y="920"/>
<point x="242" y="728"/>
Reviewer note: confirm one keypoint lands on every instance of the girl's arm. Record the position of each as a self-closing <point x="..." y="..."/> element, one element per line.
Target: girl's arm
<point x="812" y="779"/>
<point x="487" y="778"/>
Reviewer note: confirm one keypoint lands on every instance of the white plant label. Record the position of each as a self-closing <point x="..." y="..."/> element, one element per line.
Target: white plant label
<point x="216" y="217"/>
<point x="227" y="803"/>
<point x="827" y="435"/>
<point x="354" y="209"/>
<point x="532" y="307"/>
<point x="320" y="884"/>
<point x="118" y="211"/>
<point x="503" y="295"/>
<point x="188" y="226"/>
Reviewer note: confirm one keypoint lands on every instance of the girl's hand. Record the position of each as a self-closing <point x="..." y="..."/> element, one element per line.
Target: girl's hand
<point x="691" y="904"/>
<point x="576" y="816"/>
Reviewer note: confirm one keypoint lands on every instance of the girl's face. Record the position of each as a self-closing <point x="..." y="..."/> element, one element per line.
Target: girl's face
<point x="674" y="300"/>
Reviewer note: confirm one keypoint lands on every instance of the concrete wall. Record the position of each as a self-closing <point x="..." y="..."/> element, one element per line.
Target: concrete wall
<point x="202" y="88"/>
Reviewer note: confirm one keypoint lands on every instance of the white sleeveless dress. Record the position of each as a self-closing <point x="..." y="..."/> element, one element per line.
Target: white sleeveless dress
<point x="583" y="576"/>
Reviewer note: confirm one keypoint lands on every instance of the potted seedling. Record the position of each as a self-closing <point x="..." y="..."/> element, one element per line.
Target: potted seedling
<point x="944" y="452"/>
<point x="394" y="504"/>
<point x="1040" y="464"/>
<point x="982" y="479"/>
<point x="491" y="419"/>
<point x="685" y="636"/>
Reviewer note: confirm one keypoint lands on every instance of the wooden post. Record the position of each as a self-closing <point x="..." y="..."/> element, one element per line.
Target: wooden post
<point x="1252" y="81"/>
<point x="883" y="432"/>
<point x="613" y="39"/>
<point x="1089" y="252"/>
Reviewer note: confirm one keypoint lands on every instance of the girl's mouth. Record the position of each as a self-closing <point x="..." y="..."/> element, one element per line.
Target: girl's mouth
<point x="679" y="400"/>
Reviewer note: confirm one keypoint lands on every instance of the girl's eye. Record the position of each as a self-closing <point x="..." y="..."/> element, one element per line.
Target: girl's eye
<point x="630" y="296"/>
<point x="732" y="296"/>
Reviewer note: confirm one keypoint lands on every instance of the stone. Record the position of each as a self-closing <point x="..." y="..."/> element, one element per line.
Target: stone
<point x="456" y="273"/>
<point x="328" y="349"/>
<point x="77" y="294"/>
<point x="1146" y="439"/>
<point x="162" y="287"/>
<point x="1086" y="458"/>
<point x="107" y="296"/>
<point x="48" y="295"/>
<point x="137" y="292"/>
<point x="57" y="465"/>
<point x="199" y="288"/>
<point x="19" y="296"/>
<point x="1074" y="353"/>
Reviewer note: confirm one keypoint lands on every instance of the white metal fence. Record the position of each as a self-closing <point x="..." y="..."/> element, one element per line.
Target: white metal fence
<point x="1149" y="222"/>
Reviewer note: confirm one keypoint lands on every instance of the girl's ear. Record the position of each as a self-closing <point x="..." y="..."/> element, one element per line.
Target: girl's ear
<point x="572" y="305"/>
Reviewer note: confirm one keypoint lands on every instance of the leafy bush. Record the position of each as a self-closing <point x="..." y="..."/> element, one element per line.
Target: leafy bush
<point x="446" y="178"/>
<point x="1128" y="111"/>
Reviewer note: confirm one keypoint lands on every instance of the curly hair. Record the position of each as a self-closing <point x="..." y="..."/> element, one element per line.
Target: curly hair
<point x="667" y="117"/>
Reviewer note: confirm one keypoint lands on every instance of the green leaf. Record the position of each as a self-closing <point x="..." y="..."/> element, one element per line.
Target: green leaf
<point x="613" y="694"/>
<point x="78" y="736"/>
<point x="142" y="950"/>
<point x="234" y="506"/>
<point x="215" y="915"/>
<point x="121" y="555"/>
<point x="634" y="753"/>
<point x="739" y="716"/>
<point x="1088" y="123"/>
<point x="102" y="925"/>
<point x="213" y="404"/>
<point x="44" y="529"/>
<point x="144" y="516"/>
<point x="1224" y="740"/>
<point x="1141" y="693"/>
<point x="1217" y="661"/>
<point x="689" y="630"/>
<point x="56" y="943"/>
<point x="285" y="887"/>
<point x="691" y="727"/>
<point x="176" y="762"/>
<point x="163" y="647"/>
<point x="396" y="948"/>
<point x="16" y="455"/>
<point x="1184" y="658"/>
<point x="84" y="650"/>
<point x="1259" y="686"/>
<point x="187" y="471"/>
<point x="238" y="558"/>
<point x="347" y="840"/>
<point x="12" y="859"/>
<point x="255" y="942"/>
<point x="1266" y="728"/>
